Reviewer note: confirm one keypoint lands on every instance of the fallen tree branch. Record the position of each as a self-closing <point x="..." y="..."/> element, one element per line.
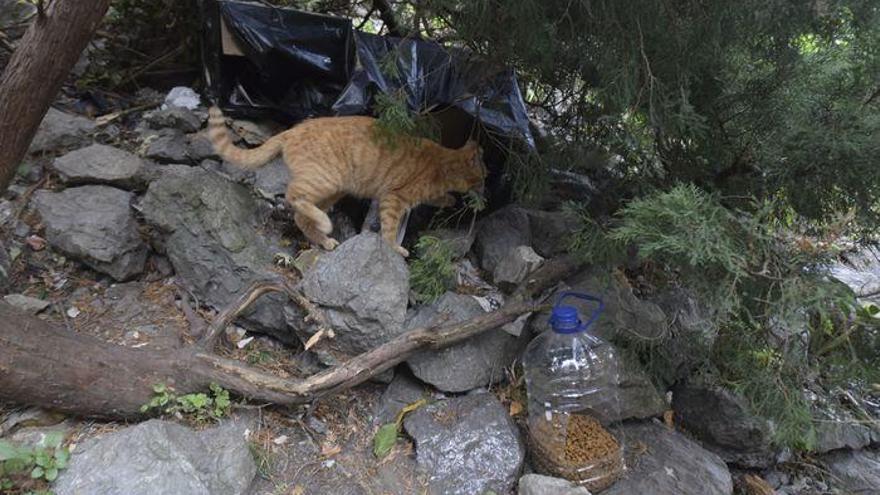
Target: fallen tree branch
<point x="43" y="365"/>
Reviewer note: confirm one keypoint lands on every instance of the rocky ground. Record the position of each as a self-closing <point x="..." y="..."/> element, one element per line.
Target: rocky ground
<point x="135" y="232"/>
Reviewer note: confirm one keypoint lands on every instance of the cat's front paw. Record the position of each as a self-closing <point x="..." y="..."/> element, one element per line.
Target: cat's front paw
<point x="402" y="250"/>
<point x="329" y="244"/>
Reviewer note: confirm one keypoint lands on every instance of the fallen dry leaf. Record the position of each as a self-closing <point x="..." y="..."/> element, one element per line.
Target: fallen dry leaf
<point x="516" y="407"/>
<point x="36" y="242"/>
<point x="329" y="450"/>
<point x="669" y="419"/>
<point x="298" y="490"/>
<point x="756" y="485"/>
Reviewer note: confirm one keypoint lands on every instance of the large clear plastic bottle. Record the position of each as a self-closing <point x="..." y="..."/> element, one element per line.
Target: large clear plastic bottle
<point x="571" y="379"/>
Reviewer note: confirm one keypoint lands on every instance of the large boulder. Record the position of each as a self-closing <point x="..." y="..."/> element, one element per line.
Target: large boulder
<point x="101" y="164"/>
<point x="401" y="392"/>
<point x="162" y="457"/>
<point x="466" y="365"/>
<point x="174" y="117"/>
<point x="170" y="146"/>
<point x="547" y="232"/>
<point x="500" y="232"/>
<point x="60" y="130"/>
<point x="638" y="396"/>
<point x="467" y="445"/>
<point x="837" y="428"/>
<point x="665" y="462"/>
<point x="625" y="318"/>
<point x="692" y="332"/>
<point x="552" y="231"/>
<point x="721" y="420"/>
<point x="858" y="471"/>
<point x="362" y="287"/>
<point x="95" y="225"/>
<point x="213" y="241"/>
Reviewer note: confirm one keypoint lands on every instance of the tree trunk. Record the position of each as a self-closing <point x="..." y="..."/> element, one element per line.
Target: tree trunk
<point x="46" y="53"/>
<point x="47" y="366"/>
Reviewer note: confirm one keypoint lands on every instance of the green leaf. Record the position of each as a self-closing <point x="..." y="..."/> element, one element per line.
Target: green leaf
<point x="384" y="440"/>
<point x="51" y="474"/>
<point x="15" y="465"/>
<point x="52" y="440"/>
<point x="61" y="458"/>
<point x="41" y="458"/>
<point x="8" y="450"/>
<point x="160" y="388"/>
<point x="37" y="472"/>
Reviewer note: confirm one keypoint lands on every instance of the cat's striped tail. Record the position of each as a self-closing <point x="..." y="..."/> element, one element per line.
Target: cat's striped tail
<point x="244" y="158"/>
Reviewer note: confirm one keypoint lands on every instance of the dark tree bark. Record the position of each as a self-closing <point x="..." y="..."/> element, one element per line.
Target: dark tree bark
<point x="47" y="366"/>
<point x="46" y="53"/>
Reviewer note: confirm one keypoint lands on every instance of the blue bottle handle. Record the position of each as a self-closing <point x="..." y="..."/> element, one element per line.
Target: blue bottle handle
<point x="586" y="297"/>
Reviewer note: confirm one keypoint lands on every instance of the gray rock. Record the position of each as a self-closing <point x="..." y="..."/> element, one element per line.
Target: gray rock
<point x="162" y="457"/>
<point x="401" y="392"/>
<point x="626" y="317"/>
<point x="860" y="271"/>
<point x="721" y="420"/>
<point x="168" y="148"/>
<point x="536" y="484"/>
<point x="228" y="171"/>
<point x="363" y="288"/>
<point x="639" y="398"/>
<point x="500" y="232"/>
<point x="467" y="445"/>
<point x="199" y="148"/>
<point x="516" y="265"/>
<point x="174" y="117"/>
<point x="858" y="471"/>
<point x="100" y="164"/>
<point x="691" y="335"/>
<point x="668" y="463"/>
<point x="26" y="303"/>
<point x="270" y="181"/>
<point x="460" y="241"/>
<point x="60" y="130"/>
<point x="464" y="366"/>
<point x="551" y="231"/>
<point x="213" y="242"/>
<point x="94" y="224"/>
<point x="836" y="428"/>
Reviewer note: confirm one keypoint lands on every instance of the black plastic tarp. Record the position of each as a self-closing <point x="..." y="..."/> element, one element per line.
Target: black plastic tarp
<point x="294" y="65"/>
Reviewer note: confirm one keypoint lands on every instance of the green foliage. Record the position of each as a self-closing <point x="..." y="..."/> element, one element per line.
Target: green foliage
<point x="386" y="436"/>
<point x="385" y="439"/>
<point x="397" y="125"/>
<point x="41" y="462"/>
<point x="200" y="407"/>
<point x="432" y="272"/>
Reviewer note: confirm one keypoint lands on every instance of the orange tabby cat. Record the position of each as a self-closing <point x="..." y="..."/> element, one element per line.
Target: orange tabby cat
<point x="330" y="157"/>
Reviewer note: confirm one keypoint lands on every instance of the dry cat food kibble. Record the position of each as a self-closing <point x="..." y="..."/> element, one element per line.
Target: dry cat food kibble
<point x="577" y="447"/>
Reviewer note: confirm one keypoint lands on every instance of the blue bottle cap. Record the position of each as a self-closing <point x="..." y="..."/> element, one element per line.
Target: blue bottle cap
<point x="565" y="319"/>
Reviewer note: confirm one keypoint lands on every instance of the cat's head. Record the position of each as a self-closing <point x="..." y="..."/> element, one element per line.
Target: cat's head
<point x="473" y="171"/>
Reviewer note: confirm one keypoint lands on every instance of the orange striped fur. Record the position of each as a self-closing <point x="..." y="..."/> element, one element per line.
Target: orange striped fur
<point x="331" y="157"/>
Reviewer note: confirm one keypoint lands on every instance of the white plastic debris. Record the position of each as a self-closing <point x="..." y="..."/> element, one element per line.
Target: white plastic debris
<point x="244" y="342"/>
<point x="280" y="440"/>
<point x="182" y="96"/>
<point x="73" y="312"/>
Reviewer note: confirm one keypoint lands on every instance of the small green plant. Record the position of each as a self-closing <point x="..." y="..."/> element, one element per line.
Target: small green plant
<point x="199" y="406"/>
<point x="433" y="271"/>
<point x="40" y="463"/>
<point x="386" y="436"/>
